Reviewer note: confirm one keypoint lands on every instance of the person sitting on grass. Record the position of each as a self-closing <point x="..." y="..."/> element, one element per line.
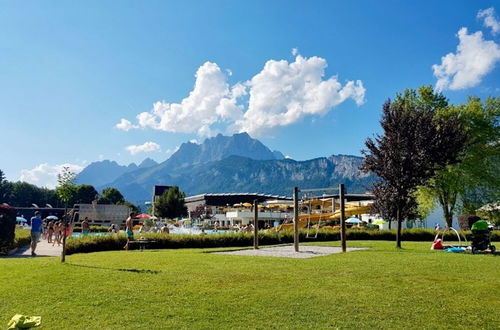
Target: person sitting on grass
<point x="112" y="229"/>
<point x="129" y="225"/>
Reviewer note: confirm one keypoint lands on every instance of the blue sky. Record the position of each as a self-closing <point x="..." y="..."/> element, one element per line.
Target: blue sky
<point x="71" y="71"/>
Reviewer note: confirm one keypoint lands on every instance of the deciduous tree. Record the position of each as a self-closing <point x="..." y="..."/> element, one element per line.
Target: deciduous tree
<point x="171" y="204"/>
<point x="414" y="145"/>
<point x="111" y="196"/>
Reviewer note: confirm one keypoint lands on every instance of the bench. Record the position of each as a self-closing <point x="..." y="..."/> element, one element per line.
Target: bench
<point x="142" y="243"/>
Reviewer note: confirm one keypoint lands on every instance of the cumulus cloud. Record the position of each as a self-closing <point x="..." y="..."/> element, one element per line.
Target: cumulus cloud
<point x="474" y="58"/>
<point x="125" y="125"/>
<point x="45" y="175"/>
<point x="145" y="147"/>
<point x="488" y="15"/>
<point x="281" y="94"/>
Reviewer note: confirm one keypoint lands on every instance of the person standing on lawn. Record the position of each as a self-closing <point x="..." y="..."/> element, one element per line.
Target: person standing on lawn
<point x="129" y="229"/>
<point x="36" y="231"/>
<point x="85" y="226"/>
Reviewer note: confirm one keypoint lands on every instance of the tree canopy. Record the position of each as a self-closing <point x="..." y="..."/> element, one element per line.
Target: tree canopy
<point x="171" y="204"/>
<point x="475" y="179"/>
<point x="111" y="196"/>
<point x="414" y="145"/>
<point x="66" y="189"/>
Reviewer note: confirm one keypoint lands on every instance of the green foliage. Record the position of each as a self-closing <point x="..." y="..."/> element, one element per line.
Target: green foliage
<point x="7" y="227"/>
<point x="66" y="189"/>
<point x="162" y="241"/>
<point x="414" y="145"/>
<point x="93" y="229"/>
<point x="111" y="196"/>
<point x="23" y="238"/>
<point x="425" y="200"/>
<point x="171" y="204"/>
<point x="475" y="180"/>
<point x="85" y="194"/>
<point x="4" y="190"/>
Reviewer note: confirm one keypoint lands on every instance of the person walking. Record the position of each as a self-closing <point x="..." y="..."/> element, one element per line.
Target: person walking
<point x="36" y="231"/>
<point x="129" y="229"/>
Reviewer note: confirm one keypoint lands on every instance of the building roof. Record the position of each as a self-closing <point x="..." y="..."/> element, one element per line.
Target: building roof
<point x="223" y="199"/>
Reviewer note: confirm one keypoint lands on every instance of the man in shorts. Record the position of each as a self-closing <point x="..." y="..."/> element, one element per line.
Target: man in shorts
<point x="85" y="226"/>
<point x="129" y="226"/>
<point x="36" y="231"/>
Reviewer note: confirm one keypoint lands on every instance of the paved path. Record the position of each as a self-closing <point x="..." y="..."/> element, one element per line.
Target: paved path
<point x="43" y="249"/>
<point x="287" y="251"/>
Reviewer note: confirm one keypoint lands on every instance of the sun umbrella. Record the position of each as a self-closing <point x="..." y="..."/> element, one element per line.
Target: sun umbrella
<point x="52" y="217"/>
<point x="143" y="216"/>
<point x="353" y="221"/>
<point x="379" y="222"/>
<point x="247" y="205"/>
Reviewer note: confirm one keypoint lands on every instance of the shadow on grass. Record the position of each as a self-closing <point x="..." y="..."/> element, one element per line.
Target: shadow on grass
<point x="131" y="270"/>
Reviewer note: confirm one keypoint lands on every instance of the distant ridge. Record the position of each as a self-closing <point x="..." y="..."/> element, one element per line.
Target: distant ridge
<point x="235" y="163"/>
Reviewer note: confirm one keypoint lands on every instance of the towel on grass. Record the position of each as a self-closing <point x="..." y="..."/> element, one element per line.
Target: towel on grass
<point x="20" y="321"/>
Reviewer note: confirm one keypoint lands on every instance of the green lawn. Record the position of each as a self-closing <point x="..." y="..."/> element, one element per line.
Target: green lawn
<point x="378" y="288"/>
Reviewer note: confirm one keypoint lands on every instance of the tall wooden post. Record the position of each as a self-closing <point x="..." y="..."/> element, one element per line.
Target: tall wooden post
<point x="63" y="253"/>
<point x="255" y="224"/>
<point x="296" y="218"/>
<point x="342" y="217"/>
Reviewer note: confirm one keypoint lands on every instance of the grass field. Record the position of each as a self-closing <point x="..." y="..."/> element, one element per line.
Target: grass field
<point x="188" y="289"/>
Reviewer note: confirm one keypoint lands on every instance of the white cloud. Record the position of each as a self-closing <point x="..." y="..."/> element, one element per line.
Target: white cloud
<point x="281" y="94"/>
<point x="45" y="175"/>
<point x="172" y="151"/>
<point x="145" y="147"/>
<point x="125" y="125"/>
<point x="474" y="58"/>
<point x="489" y="19"/>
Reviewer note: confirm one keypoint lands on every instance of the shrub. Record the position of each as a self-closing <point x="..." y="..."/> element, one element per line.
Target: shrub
<point x="94" y="229"/>
<point x="23" y="237"/>
<point x="171" y="241"/>
<point x="7" y="228"/>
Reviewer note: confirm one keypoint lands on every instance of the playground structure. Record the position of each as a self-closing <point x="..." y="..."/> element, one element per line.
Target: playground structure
<point x="322" y="199"/>
<point x="323" y="214"/>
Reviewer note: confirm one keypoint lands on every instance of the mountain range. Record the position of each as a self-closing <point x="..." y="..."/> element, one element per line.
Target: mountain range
<point x="221" y="164"/>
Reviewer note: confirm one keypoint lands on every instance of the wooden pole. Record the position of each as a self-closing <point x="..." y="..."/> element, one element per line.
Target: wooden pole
<point x="255" y="224"/>
<point x="63" y="253"/>
<point x="296" y="219"/>
<point x="342" y="217"/>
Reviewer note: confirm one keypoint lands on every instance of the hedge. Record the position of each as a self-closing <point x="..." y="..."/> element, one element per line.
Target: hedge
<point x="171" y="241"/>
<point x="94" y="229"/>
<point x="23" y="238"/>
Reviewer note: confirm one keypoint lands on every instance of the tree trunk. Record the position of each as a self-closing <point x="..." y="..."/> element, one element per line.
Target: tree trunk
<point x="390" y="222"/>
<point x="398" y="233"/>
<point x="63" y="252"/>
<point x="448" y="216"/>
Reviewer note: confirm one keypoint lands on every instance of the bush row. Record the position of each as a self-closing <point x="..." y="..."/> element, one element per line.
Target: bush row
<point x="23" y="238"/>
<point x="163" y="241"/>
<point x="94" y="229"/>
